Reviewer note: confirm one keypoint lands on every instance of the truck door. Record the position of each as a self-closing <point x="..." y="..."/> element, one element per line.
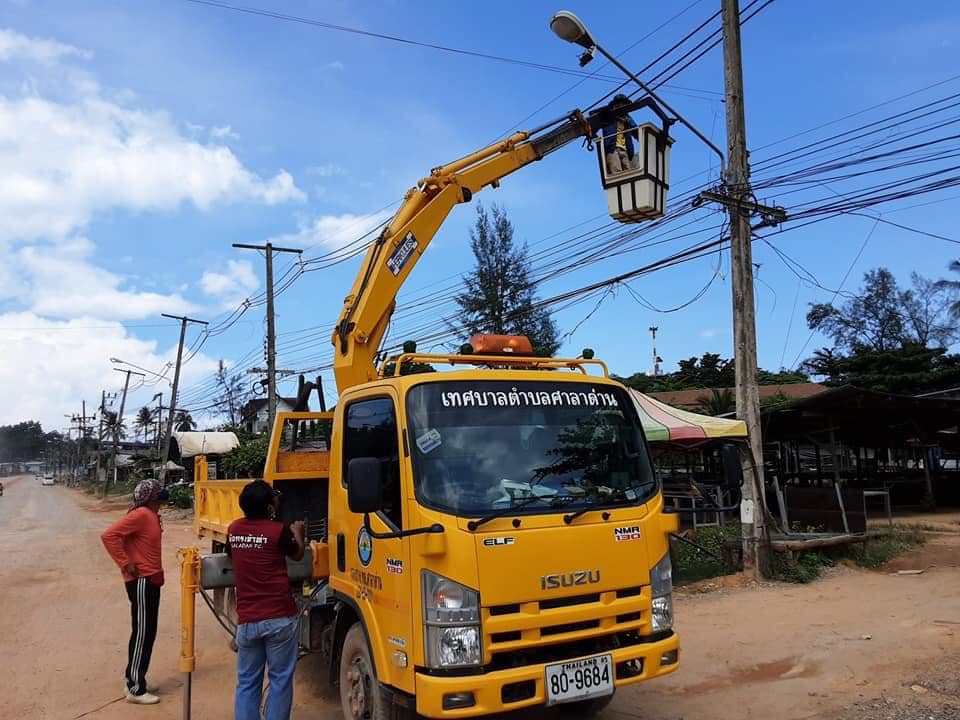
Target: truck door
<point x="374" y="574"/>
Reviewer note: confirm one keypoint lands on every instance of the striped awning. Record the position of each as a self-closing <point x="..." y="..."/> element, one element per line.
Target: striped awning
<point x="663" y="423"/>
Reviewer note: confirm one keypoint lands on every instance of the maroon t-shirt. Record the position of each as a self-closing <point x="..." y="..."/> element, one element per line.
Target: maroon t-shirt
<point x="258" y="549"/>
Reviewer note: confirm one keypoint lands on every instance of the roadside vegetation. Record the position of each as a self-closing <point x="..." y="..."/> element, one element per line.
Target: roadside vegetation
<point x="717" y="554"/>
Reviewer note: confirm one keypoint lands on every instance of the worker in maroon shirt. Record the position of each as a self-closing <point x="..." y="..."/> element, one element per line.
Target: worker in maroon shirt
<point x="133" y="542"/>
<point x="267" y="629"/>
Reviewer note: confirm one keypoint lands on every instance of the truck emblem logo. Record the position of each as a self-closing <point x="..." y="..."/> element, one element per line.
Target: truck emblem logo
<point x="497" y="541"/>
<point x="627" y="533"/>
<point x="578" y="577"/>
<point x="364" y="547"/>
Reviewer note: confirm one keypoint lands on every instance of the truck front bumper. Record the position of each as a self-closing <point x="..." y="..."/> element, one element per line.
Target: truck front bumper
<point x="515" y="688"/>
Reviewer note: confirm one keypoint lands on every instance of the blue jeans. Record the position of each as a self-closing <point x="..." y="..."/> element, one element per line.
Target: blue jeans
<point x="273" y="643"/>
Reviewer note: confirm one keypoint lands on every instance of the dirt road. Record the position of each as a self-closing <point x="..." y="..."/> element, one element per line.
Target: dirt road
<point x="856" y="645"/>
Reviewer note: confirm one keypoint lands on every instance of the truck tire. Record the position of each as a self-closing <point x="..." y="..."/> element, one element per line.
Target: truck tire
<point x="585" y="708"/>
<point x="360" y="695"/>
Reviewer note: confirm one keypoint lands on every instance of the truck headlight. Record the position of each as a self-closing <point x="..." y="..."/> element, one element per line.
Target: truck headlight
<point x="451" y="615"/>
<point x="661" y="588"/>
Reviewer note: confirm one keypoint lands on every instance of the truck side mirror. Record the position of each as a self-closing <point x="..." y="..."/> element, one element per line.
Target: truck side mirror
<point x="363" y="485"/>
<point x="731" y="466"/>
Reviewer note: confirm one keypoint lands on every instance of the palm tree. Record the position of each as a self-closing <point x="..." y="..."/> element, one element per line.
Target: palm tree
<point x="144" y="421"/>
<point x="719" y="402"/>
<point x="112" y="426"/>
<point x="953" y="285"/>
<point x="184" y="422"/>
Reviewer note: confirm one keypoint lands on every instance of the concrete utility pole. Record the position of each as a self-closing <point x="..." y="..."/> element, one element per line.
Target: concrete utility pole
<point x="164" y="456"/>
<point x="752" y="507"/>
<point x="156" y="432"/>
<point x="116" y="425"/>
<point x="103" y="408"/>
<point x="269" y="250"/>
<point x="656" y="358"/>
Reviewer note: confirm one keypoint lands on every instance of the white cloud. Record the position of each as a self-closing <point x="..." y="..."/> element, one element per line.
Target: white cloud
<point x="331" y="231"/>
<point x="53" y="365"/>
<point x="61" y="162"/>
<point x="223" y="132"/>
<point x="237" y="282"/>
<point x="710" y="332"/>
<point x="61" y="281"/>
<point x="326" y="170"/>
<point x="14" y="46"/>
<point x="333" y="65"/>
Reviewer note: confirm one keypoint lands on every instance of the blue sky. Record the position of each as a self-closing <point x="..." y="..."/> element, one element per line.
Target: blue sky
<point x="139" y="140"/>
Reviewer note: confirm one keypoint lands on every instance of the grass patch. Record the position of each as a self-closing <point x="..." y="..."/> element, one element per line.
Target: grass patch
<point x="691" y="563"/>
<point x="805" y="568"/>
<point x="880" y="549"/>
<point x="122" y="488"/>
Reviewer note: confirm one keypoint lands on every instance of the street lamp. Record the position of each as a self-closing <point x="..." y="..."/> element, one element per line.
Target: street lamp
<point x="118" y="361"/>
<point x="567" y="26"/>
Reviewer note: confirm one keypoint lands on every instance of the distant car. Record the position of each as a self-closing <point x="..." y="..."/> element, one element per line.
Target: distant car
<point x="47" y="479"/>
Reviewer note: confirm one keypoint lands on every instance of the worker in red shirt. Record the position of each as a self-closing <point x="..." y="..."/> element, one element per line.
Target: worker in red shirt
<point x="267" y="616"/>
<point x="133" y="542"/>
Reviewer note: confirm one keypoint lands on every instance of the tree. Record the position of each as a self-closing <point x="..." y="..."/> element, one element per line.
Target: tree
<point x="871" y="319"/>
<point x="498" y="297"/>
<point x="708" y="371"/>
<point x="233" y="394"/>
<point x="718" y="402"/>
<point x="114" y="426"/>
<point x="885" y="317"/>
<point x="953" y="286"/>
<point x="143" y="421"/>
<point x="909" y="369"/>
<point x="183" y="421"/>
<point x="23" y="441"/>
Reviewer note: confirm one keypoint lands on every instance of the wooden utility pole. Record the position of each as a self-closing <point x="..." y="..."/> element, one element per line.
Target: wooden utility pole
<point x="269" y="250"/>
<point x="737" y="180"/>
<point x="116" y="425"/>
<point x="164" y="456"/>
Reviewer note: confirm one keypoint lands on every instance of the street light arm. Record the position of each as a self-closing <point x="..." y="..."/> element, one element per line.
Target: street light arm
<point x="643" y="86"/>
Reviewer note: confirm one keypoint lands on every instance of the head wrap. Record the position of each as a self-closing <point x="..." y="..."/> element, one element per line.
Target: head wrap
<point x="148" y="490"/>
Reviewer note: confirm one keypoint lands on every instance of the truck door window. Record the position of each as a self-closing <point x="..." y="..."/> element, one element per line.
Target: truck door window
<point x="370" y="430"/>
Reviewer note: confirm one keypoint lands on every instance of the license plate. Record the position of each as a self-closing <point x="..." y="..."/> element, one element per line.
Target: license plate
<point x="579" y="679"/>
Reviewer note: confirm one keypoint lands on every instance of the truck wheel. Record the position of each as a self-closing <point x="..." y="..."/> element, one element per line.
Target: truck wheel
<point x="360" y="697"/>
<point x="585" y="708"/>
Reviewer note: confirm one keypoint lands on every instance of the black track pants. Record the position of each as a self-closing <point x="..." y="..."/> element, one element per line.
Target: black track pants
<point x="144" y="608"/>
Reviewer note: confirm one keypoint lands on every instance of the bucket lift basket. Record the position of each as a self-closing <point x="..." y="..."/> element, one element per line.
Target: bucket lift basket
<point x="638" y="193"/>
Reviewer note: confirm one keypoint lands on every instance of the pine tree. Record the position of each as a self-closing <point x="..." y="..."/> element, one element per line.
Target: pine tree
<point x="498" y="296"/>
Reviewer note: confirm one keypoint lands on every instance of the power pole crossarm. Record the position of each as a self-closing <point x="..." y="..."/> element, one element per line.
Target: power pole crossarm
<point x="269" y="250"/>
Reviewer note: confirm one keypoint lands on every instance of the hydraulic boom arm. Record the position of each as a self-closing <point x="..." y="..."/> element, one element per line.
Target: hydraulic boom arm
<point x="367" y="309"/>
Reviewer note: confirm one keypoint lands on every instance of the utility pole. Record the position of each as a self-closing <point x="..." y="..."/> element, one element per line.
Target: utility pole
<point x="173" y="393"/>
<point x="116" y="425"/>
<point x="156" y="432"/>
<point x="737" y="180"/>
<point x="269" y="250"/>
<point x="656" y="358"/>
<point x="103" y="408"/>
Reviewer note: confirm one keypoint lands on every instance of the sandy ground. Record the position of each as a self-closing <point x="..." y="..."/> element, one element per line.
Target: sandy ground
<point x="856" y="645"/>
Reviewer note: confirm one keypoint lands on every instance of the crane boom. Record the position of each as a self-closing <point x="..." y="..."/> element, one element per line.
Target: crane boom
<point x="390" y="259"/>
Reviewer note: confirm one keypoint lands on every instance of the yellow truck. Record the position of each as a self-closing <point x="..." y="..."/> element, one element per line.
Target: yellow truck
<point x="483" y="538"/>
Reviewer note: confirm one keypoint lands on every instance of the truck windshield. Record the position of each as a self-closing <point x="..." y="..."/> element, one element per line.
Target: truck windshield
<point x="483" y="446"/>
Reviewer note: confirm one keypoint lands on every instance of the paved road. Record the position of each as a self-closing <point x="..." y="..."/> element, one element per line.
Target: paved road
<point x="779" y="651"/>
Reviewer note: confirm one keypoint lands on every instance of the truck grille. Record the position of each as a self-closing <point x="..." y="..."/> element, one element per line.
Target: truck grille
<point x="557" y="629"/>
